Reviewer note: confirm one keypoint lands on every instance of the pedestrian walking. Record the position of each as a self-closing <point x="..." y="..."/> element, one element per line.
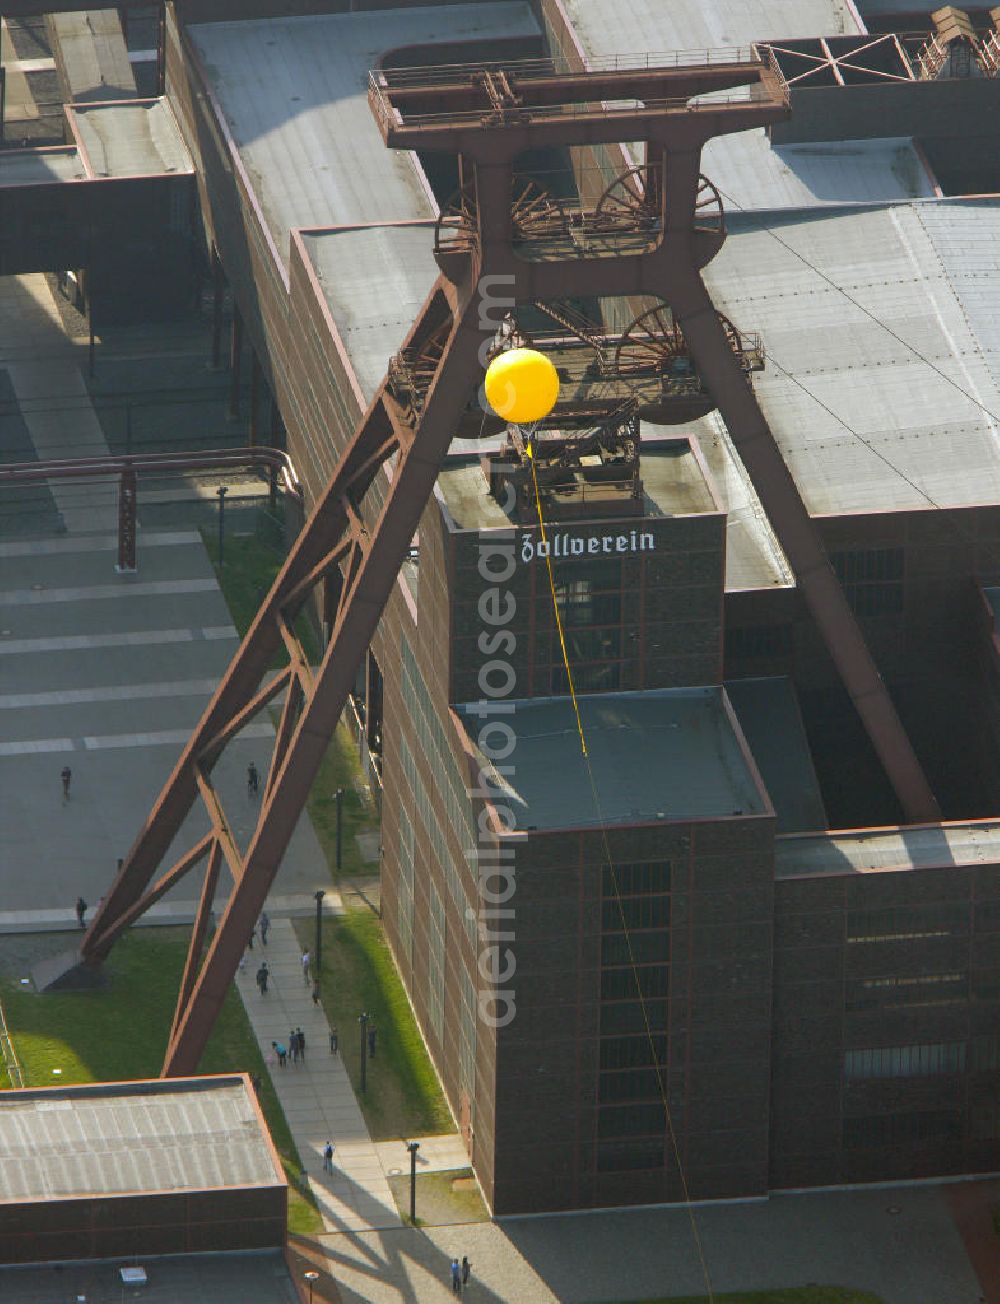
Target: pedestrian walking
<point x="281" y="1052"/>
<point x="328" y="1157"/>
<point x="456" y="1277"/>
<point x="302" y="1044"/>
<point x="81" y="910"/>
<point x="253" y="932"/>
<point x="66" y="776"/>
<point x="253" y="780"/>
<point x="293" y="1046"/>
<point x="372" y="1041"/>
<point x="305" y="966"/>
<point x="262" y="976"/>
<point x="316" y="992"/>
<point x="333" y="1041"/>
<point x="466" y="1269"/>
<point x="265" y="924"/>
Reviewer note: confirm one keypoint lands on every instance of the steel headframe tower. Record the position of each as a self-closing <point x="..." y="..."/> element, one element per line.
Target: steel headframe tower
<point x="653" y="244"/>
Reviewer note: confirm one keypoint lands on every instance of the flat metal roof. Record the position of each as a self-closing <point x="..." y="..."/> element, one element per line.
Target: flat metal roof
<point x="375" y="279"/>
<point x="110" y="1138"/>
<point x="39" y="167"/>
<point x="255" y="1277"/>
<point x="754" y="558"/>
<point x="745" y="167"/>
<point x="769" y="716"/>
<point x="861" y="852"/>
<point x="295" y="95"/>
<point x="131" y="139"/>
<point x="663" y="754"/>
<point x="864" y="423"/>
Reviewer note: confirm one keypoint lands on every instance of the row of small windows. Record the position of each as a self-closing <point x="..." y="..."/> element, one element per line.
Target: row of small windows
<point x="432" y="824"/>
<point x="907" y="923"/>
<point x="632" y="1052"/>
<point x="872" y="580"/>
<point x="628" y="1156"/>
<point x="635" y="981"/>
<point x="438" y="755"/>
<point x="404" y="913"/>
<point x="647" y="1119"/>
<point x="627" y="982"/>
<point x="927" y="1060"/>
<point x="892" y="992"/>
<point x="435" y="962"/>
<point x="632" y="1084"/>
<point x="633" y="1016"/>
<point x="886" y="1131"/>
<point x="636" y="879"/>
<point x="590" y="609"/>
<point x="635" y="948"/>
<point x="635" y="912"/>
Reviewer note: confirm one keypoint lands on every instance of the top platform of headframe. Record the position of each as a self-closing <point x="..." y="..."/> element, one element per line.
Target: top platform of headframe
<point x="487" y="108"/>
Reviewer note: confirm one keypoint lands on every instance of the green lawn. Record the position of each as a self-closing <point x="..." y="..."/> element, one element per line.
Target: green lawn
<point x="796" y="1295"/>
<point x="403" y="1097"/>
<point x="120" y="1032"/>
<point x="250" y="564"/>
<point x="341" y="768"/>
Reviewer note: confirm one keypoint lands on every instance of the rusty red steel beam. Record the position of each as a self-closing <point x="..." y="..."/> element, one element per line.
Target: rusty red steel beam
<point x="698" y="123"/>
<point x="544" y="89"/>
<point x="800" y="538"/>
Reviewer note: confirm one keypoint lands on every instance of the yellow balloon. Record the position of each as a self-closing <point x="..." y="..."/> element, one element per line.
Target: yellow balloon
<point x="522" y="385"/>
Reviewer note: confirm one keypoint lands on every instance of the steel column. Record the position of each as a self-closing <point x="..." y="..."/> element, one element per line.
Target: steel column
<point x="802" y="544"/>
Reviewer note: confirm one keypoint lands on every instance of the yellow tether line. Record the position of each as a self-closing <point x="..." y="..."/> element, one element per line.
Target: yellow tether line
<point x="657" y="1068"/>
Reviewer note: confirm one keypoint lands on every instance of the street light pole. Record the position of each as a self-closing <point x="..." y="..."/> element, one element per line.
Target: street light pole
<point x="320" y="894"/>
<point x="340" y="837"/>
<point x="222" y="491"/>
<point x="310" y="1278"/>
<point x="363" y="1020"/>
<point x="413" y="1147"/>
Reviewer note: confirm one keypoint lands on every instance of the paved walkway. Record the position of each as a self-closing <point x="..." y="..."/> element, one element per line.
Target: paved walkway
<point x="319" y="1102"/>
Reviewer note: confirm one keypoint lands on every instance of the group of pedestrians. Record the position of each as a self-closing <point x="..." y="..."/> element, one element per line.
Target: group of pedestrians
<point x="460" y="1274"/>
<point x="295" y="1050"/>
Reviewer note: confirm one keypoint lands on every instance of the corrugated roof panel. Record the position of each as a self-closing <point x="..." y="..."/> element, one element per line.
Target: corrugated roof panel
<point x="294" y="92"/>
<point x="104" y="1140"/>
<point x="868" y="421"/>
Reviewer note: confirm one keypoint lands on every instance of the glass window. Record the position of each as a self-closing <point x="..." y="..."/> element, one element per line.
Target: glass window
<point x="601" y="677"/>
<point x="627" y="1156"/>
<point x="632" y="1052"/>
<point x="636" y="879"/>
<point x="908" y="923"/>
<point x="631" y="1120"/>
<point x="905" y="1061"/>
<point x="636" y="948"/>
<point x="633" y="1016"/>
<point x="634" y="1084"/>
<point x="622" y="984"/>
<point x="891" y="992"/>
<point x="636" y="912"/>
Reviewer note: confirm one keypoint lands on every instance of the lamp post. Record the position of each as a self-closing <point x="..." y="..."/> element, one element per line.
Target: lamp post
<point x="222" y="491"/>
<point x="339" y="795"/>
<point x="363" y="1020"/>
<point x="310" y="1278"/>
<point x="320" y="894"/>
<point x="413" y="1147"/>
